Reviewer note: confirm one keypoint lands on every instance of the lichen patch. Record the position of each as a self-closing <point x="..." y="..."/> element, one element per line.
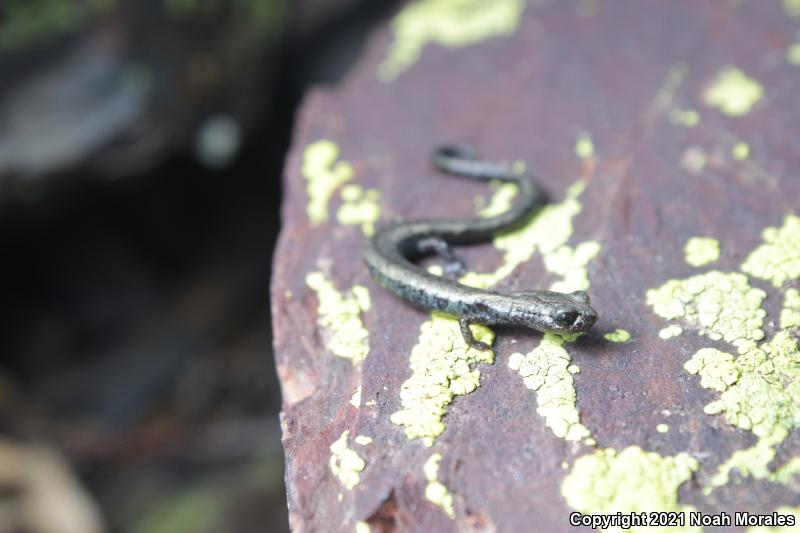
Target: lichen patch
<point x="449" y="23"/>
<point x="345" y="463"/>
<point x="630" y="481"/>
<point x="324" y="173"/>
<point x="778" y="258"/>
<point x="733" y="92"/>
<point x="339" y="317"/>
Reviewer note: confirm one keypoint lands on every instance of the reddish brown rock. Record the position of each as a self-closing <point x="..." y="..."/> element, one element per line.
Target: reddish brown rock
<point x="667" y="164"/>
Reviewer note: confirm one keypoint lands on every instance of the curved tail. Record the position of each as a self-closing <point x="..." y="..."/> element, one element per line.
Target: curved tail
<point x="462" y="160"/>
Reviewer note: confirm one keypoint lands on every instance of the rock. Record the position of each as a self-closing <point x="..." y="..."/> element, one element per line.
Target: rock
<point x="660" y="132"/>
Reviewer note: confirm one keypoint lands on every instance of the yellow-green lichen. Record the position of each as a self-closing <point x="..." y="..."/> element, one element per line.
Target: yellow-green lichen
<point x="684" y="117"/>
<point x="570" y="263"/>
<point x="733" y="92"/>
<point x="340" y="317"/>
<point x="502" y="199"/>
<point x="450" y="23"/>
<point x="362" y="527"/>
<point x="673" y="330"/>
<point x="792" y="7"/>
<point x="760" y="388"/>
<point x="435" y="491"/>
<point x="722" y="305"/>
<point x="760" y="392"/>
<point x="794" y="511"/>
<point x="778" y="259"/>
<point x="363" y="440"/>
<point x="546" y="371"/>
<point x="630" y="481"/>
<point x="662" y="428"/>
<point x="584" y="147"/>
<point x="355" y="399"/>
<point x="754" y="462"/>
<point x="618" y="335"/>
<point x="740" y="151"/>
<point x="717" y="369"/>
<point x="359" y="207"/>
<point x="793" y="54"/>
<point x="790" y="314"/>
<point x="700" y="251"/>
<point x="546" y="233"/>
<point x="443" y="367"/>
<point x="345" y="463"/>
<point x="324" y="173"/>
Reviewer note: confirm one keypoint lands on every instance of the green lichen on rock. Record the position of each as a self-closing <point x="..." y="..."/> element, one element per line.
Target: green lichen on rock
<point x="450" y="23"/>
<point x="793" y="53"/>
<point x="324" y="173"/>
<point x="778" y="259"/>
<point x="688" y="118"/>
<point x="359" y="208"/>
<point x="766" y="396"/>
<point x="571" y="264"/>
<point x="700" y="251"/>
<point x="339" y="316"/>
<point x="733" y="92"/>
<point x="443" y="367"/>
<point x="792" y="7"/>
<point x="630" y="481"/>
<point x="546" y="233"/>
<point x="790" y="314"/>
<point x="345" y="463"/>
<point x="584" y="147"/>
<point x="546" y="371"/>
<point x="673" y="330"/>
<point x="618" y="335"/>
<point x="502" y="199"/>
<point x="717" y="369"/>
<point x="759" y="388"/>
<point x="740" y="151"/>
<point x="435" y="491"/>
<point x="754" y="462"/>
<point x="721" y="305"/>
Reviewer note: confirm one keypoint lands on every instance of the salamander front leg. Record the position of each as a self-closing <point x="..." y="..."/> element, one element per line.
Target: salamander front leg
<point x="464" y="323"/>
<point x="440" y="247"/>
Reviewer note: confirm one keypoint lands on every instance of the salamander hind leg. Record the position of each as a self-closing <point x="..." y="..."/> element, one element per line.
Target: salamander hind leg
<point x="454" y="266"/>
<point x="464" y="323"/>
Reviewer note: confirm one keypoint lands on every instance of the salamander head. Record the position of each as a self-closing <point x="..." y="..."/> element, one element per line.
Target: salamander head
<point x="554" y="312"/>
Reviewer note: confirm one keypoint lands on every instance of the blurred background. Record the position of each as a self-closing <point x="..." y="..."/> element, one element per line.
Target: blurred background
<point x="141" y="151"/>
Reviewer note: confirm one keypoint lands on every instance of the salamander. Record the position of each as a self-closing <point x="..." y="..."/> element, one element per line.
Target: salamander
<point x="390" y="253"/>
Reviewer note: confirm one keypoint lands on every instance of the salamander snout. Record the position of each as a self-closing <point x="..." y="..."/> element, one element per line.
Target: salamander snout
<point x="575" y="313"/>
<point x="555" y="312"/>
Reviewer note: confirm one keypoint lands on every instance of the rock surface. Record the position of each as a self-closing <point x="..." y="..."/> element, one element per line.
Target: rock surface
<point x="663" y="133"/>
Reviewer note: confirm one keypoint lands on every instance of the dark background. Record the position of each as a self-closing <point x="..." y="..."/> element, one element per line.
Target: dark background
<point x="134" y="329"/>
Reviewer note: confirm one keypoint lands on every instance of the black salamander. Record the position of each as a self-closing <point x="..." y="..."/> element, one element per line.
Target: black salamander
<point x="390" y="252"/>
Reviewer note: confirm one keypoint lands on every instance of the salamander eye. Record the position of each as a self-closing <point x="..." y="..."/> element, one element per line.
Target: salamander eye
<point x="566" y="318"/>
